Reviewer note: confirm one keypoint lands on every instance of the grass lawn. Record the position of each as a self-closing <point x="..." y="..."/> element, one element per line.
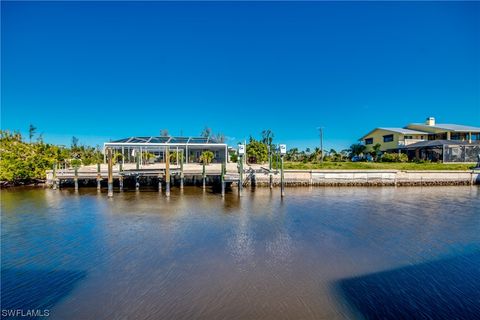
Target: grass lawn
<point x="378" y="165"/>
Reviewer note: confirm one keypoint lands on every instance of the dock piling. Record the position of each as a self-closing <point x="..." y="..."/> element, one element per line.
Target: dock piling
<point x="54" y="176"/>
<point x="167" y="172"/>
<point x="75" y="179"/>
<point x="240" y="180"/>
<point x="203" y="176"/>
<point x="120" y="176"/>
<point x="137" y="160"/>
<point x="270" y="167"/>
<point x="110" y="173"/>
<point x="99" y="178"/>
<point x="181" y="174"/>
<point x="282" y="180"/>
<point x="222" y="178"/>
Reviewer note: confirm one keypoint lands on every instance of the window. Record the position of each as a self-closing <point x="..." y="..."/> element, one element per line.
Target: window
<point x="388" y="138"/>
<point x="408" y="137"/>
<point x="369" y="141"/>
<point x="455" y="136"/>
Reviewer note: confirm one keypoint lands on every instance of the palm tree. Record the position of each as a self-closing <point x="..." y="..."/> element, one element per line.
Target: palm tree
<point x="376" y="151"/>
<point x="206" y="157"/>
<point x="317" y="153"/>
<point x="292" y="154"/>
<point x="31" y="131"/>
<point x="206" y="132"/>
<point x="267" y="137"/>
<point x="357" y="149"/>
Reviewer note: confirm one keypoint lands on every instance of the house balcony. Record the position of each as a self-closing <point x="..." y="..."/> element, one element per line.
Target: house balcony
<point x="406" y="142"/>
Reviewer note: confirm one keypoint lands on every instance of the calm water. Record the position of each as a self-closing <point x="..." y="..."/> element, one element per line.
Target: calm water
<point x="322" y="253"/>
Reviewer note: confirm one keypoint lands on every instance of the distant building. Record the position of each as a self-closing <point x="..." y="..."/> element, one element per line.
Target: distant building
<point x="392" y="138"/>
<point x="428" y="141"/>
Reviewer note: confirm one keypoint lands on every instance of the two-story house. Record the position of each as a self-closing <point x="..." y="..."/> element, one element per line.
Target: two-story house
<point x="393" y="139"/>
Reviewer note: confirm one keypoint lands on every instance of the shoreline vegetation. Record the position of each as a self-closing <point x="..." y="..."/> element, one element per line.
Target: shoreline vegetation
<point x="25" y="162"/>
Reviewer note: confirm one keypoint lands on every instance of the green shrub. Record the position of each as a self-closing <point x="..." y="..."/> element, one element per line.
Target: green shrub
<point x="394" y="157"/>
<point x="257" y="151"/>
<point x="233" y="157"/>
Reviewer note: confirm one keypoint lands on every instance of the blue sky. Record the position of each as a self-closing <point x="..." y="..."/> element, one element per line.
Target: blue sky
<point x="106" y="70"/>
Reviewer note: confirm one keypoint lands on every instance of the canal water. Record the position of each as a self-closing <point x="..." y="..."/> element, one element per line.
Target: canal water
<point x="321" y="253"/>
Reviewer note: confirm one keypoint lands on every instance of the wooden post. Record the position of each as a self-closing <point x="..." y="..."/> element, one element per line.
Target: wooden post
<point x="110" y="172"/>
<point x="181" y="173"/>
<point x="270" y="167"/>
<point x="159" y="183"/>
<point x="54" y="176"/>
<point x="203" y="176"/>
<point x="120" y="176"/>
<point x="99" y="178"/>
<point x="282" y="186"/>
<point x="75" y="179"/>
<point x="137" y="159"/>
<point x="240" y="181"/>
<point x="167" y="172"/>
<point x="137" y="183"/>
<point x="222" y="178"/>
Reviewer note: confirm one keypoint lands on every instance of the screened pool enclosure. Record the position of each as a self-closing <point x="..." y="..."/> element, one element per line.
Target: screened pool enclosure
<point x="447" y="151"/>
<point x="150" y="150"/>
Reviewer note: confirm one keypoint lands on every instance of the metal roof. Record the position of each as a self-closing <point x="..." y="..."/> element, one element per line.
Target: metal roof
<point x="166" y="140"/>
<point x="397" y="130"/>
<point x="448" y="127"/>
<point x="403" y="130"/>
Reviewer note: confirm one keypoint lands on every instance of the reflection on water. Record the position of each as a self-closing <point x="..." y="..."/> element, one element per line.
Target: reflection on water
<point x="442" y="289"/>
<point x="331" y="253"/>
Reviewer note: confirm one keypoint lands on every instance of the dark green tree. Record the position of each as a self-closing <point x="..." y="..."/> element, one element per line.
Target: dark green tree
<point x="257" y="151"/>
<point x="357" y="149"/>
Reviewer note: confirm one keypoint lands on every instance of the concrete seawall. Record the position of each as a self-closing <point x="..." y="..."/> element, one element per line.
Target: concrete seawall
<point x="321" y="177"/>
<point x="369" y="178"/>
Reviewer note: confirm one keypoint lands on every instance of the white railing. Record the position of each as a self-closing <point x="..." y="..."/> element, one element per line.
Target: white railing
<point x="406" y="142"/>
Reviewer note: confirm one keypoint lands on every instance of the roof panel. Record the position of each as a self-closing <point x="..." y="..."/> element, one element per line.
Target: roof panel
<point x="121" y="140"/>
<point x="449" y="127"/>
<point x="198" y="140"/>
<point x="139" y="139"/>
<point x="159" y="139"/>
<point x="176" y="140"/>
<point x="179" y="140"/>
<point x="403" y="130"/>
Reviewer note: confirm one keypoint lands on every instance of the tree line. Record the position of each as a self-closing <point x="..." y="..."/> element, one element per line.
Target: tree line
<point x="25" y="161"/>
<point x="258" y="152"/>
